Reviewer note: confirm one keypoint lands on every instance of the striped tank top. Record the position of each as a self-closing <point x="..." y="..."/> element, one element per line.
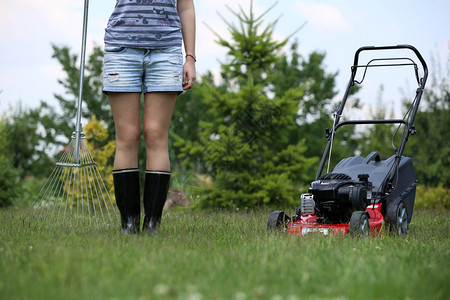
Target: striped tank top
<point x="148" y="24"/>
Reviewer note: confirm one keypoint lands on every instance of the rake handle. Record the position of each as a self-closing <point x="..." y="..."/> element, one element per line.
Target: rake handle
<point x="78" y="127"/>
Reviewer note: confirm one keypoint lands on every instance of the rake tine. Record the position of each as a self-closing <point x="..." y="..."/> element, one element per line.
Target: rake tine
<point x="87" y="198"/>
<point x="36" y="200"/>
<point x="53" y="189"/>
<point x="49" y="182"/>
<point x="63" y="193"/>
<point x="95" y="195"/>
<point x="90" y="159"/>
<point x="96" y="175"/>
<point x="64" y="160"/>
<point x="82" y="199"/>
<point x="87" y="192"/>
<point x="84" y="184"/>
<point x="68" y="174"/>
<point x="92" y="196"/>
<point x="53" y="192"/>
<point x="55" y="204"/>
<point x="104" y="201"/>
<point x="91" y="177"/>
<point x="78" y="202"/>
<point x="74" y="192"/>
<point x="91" y="211"/>
<point x="93" y="203"/>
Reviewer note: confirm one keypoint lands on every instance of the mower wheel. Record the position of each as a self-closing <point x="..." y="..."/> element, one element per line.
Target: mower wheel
<point x="359" y="224"/>
<point x="397" y="217"/>
<point x="277" y="220"/>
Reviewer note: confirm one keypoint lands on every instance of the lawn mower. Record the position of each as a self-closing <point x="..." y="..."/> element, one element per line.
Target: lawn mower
<point x="362" y="195"/>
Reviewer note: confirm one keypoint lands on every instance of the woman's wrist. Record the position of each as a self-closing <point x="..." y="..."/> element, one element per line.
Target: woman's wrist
<point x="191" y="56"/>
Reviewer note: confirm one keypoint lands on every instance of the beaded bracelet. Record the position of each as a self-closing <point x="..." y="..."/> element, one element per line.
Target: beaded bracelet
<point x="195" y="60"/>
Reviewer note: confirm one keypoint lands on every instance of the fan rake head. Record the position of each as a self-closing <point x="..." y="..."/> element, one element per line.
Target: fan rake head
<point x="74" y="194"/>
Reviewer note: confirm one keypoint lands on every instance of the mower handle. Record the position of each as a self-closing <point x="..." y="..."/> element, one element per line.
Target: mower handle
<point x="408" y="123"/>
<point x="404" y="46"/>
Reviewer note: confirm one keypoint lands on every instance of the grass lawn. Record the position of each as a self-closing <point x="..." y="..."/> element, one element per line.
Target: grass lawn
<point x="222" y="255"/>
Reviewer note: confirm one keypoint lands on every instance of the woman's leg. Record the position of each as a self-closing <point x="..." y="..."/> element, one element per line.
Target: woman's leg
<point x="125" y="109"/>
<point x="157" y="115"/>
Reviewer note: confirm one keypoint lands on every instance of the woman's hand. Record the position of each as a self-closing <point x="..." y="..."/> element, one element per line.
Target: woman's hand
<point x="189" y="73"/>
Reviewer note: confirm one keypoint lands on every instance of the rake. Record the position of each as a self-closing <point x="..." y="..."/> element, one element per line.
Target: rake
<point x="74" y="194"/>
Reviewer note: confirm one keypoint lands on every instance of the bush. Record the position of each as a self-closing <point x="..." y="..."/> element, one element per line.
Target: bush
<point x="30" y="188"/>
<point x="101" y="149"/>
<point x="9" y="182"/>
<point x="9" y="176"/>
<point x="432" y="197"/>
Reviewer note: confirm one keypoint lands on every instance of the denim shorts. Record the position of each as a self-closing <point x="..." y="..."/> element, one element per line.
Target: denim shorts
<point x="142" y="70"/>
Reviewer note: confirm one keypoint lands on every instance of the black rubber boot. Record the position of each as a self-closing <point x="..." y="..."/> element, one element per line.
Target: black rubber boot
<point x="155" y="194"/>
<point x="126" y="188"/>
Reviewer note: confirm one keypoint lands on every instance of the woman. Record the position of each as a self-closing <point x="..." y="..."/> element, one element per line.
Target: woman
<point x="143" y="54"/>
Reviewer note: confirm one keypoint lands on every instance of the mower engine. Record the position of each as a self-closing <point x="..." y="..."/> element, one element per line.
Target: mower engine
<point x="334" y="197"/>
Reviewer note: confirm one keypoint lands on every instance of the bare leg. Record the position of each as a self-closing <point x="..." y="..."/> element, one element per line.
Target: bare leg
<point x="157" y="115"/>
<point x="125" y="109"/>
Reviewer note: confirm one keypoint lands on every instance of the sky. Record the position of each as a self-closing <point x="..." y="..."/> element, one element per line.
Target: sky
<point x="337" y="28"/>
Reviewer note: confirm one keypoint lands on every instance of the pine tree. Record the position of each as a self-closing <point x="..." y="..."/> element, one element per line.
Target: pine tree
<point x="245" y="142"/>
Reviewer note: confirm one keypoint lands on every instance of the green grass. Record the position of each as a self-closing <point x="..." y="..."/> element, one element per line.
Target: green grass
<point x="222" y="255"/>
